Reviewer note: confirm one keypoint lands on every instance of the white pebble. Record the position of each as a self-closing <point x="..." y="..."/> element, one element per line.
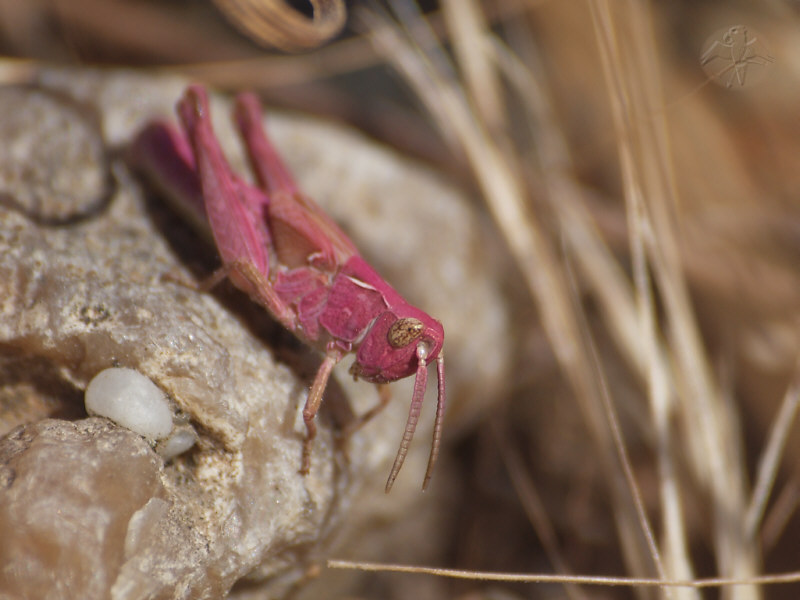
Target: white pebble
<point x="183" y="438"/>
<point x="131" y="400"/>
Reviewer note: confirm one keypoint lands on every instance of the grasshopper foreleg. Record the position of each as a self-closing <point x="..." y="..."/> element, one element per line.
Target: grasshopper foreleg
<point x="313" y="402"/>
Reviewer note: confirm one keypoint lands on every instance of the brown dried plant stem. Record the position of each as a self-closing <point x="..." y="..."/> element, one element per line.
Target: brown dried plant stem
<point x="631" y="71"/>
<point x="503" y="188"/>
<point x="713" y="582"/>
<point x="635" y="335"/>
<point x="275" y="23"/>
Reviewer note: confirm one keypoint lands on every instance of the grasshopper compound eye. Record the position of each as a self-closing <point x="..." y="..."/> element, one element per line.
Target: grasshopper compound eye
<point x="404" y="331"/>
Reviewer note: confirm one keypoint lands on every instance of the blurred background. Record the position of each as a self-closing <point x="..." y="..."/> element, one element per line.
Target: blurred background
<point x="638" y="164"/>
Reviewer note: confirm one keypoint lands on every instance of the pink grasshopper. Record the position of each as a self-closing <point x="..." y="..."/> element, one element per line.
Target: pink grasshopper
<point x="281" y="249"/>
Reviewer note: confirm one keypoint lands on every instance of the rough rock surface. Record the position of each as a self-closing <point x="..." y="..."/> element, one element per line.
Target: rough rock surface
<point x="89" y="509"/>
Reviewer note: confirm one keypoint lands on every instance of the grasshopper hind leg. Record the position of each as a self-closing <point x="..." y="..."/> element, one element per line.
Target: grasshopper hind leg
<point x="384" y="397"/>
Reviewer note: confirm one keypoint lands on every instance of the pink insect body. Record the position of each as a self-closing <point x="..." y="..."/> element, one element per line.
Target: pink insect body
<point x="280" y="248"/>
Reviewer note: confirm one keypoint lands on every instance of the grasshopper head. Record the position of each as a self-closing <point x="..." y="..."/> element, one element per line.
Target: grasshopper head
<point x="400" y="343"/>
<point x="391" y="348"/>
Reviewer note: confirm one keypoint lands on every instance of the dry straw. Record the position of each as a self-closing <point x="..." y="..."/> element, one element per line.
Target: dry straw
<point x="651" y="318"/>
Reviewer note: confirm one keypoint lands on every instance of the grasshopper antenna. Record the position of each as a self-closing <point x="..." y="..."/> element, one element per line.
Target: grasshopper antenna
<point x="420" y="383"/>
<point x="437" y="424"/>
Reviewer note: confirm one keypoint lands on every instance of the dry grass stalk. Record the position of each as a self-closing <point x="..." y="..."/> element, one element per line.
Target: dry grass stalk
<point x="632" y="75"/>
<point x="344" y="56"/>
<point x="275" y="23"/>
<point x="660" y="392"/>
<point x="665" y="349"/>
<point x="770" y="461"/>
<point x="498" y="174"/>
<point x="587" y="580"/>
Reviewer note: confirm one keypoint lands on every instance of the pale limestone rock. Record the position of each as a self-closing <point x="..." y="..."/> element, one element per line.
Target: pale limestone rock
<point x="52" y="161"/>
<point x="68" y="492"/>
